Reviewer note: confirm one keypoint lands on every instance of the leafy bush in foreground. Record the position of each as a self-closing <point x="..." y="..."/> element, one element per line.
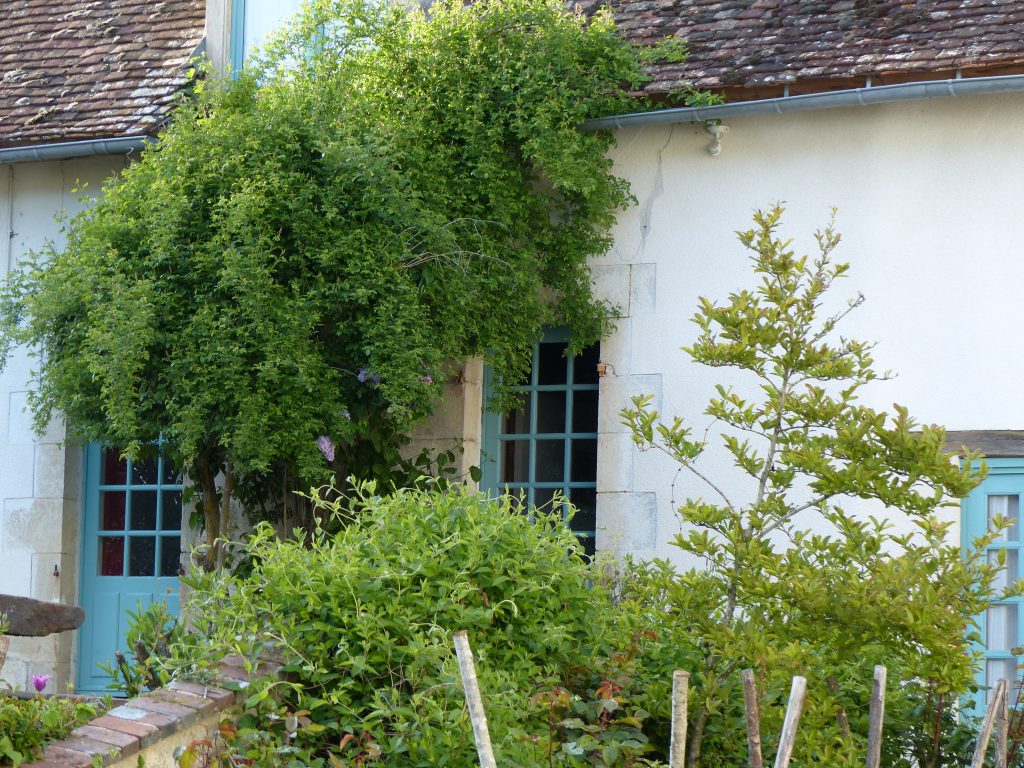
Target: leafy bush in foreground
<point x="27" y="725"/>
<point x="365" y="619"/>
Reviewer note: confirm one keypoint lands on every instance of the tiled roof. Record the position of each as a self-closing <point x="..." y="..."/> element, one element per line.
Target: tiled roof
<point x="91" y="69"/>
<point x="742" y="46"/>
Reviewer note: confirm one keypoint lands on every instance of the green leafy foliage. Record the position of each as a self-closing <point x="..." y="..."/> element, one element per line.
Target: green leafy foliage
<point x="365" y="618"/>
<point x="152" y="634"/>
<point x="781" y="597"/>
<point x="600" y="729"/>
<point x="309" y="243"/>
<point x="26" y="725"/>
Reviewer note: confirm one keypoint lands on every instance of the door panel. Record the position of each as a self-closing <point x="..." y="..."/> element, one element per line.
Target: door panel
<point x="131" y="540"/>
<point x="1001" y="628"/>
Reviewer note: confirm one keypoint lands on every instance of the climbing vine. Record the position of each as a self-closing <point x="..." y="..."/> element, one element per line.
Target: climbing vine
<point x="379" y="192"/>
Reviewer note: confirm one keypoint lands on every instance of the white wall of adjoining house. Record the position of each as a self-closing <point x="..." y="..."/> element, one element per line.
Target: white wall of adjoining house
<point x="40" y="476"/>
<point x="928" y="197"/>
<point x="262" y="18"/>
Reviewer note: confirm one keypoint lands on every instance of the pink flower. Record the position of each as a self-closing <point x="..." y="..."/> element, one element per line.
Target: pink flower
<point x="40" y="681"/>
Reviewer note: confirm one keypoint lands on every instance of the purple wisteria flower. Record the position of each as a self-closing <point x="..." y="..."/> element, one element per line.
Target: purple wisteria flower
<point x="326" y="446"/>
<point x="39" y="681"/>
<point x="428" y="379"/>
<point x="364" y="376"/>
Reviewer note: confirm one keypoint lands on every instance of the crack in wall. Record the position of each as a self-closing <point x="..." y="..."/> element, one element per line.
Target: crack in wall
<point x="647" y="206"/>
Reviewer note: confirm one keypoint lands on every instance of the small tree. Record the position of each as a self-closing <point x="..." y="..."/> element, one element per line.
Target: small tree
<point x="784" y="599"/>
<point x="310" y="242"/>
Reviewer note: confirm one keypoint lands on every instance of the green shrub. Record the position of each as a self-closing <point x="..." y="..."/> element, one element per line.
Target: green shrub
<point x="27" y="725"/>
<point x="365" y="619"/>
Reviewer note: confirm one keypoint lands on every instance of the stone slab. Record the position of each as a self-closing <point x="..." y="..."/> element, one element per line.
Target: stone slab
<point x="35" y="618"/>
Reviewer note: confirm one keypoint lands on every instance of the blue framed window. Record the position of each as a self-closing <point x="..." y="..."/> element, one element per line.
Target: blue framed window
<point x="547" y="447"/>
<point x="1002" y="627"/>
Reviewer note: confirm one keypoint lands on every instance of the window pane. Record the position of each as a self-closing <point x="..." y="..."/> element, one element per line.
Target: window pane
<point x="143" y="510"/>
<point x="1001" y="627"/>
<point x="584" y="461"/>
<point x="1000" y="669"/>
<point x="519" y="497"/>
<point x="518" y="421"/>
<point x="550" y="461"/>
<point x="115" y="471"/>
<point x="169" y="473"/>
<point x="589" y="544"/>
<point x="584" y="411"/>
<point x="142" y="556"/>
<point x="553" y="364"/>
<point x="1006" y="506"/>
<point x="170" y="555"/>
<point x="515" y="461"/>
<point x="112" y="505"/>
<point x="1010" y="570"/>
<point x="585" y="501"/>
<point x="144" y="471"/>
<point x="584" y="366"/>
<point x="551" y="411"/>
<point x="111" y="556"/>
<point x="543" y="498"/>
<point x="172" y="511"/>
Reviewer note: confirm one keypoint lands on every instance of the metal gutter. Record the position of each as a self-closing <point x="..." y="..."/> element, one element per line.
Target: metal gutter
<point x="854" y="97"/>
<point x="69" y="149"/>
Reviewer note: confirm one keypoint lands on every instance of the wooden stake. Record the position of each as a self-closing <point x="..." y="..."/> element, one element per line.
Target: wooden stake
<point x="1003" y="727"/>
<point x="753" y="710"/>
<point x="996" y="697"/>
<point x="680" y="696"/>
<point x="793" y="710"/>
<point x="474" y="700"/>
<point x="841" y="718"/>
<point x="876" y="716"/>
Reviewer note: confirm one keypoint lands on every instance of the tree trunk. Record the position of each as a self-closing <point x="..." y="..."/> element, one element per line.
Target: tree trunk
<point x="211" y="515"/>
<point x="697" y="739"/>
<point x="225" y="514"/>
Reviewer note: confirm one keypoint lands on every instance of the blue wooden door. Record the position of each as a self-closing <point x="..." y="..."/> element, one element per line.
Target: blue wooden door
<point x="1001" y="628"/>
<point x="131" y="551"/>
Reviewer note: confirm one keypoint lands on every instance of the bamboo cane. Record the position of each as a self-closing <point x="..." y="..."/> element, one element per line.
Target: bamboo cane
<point x="876" y="717"/>
<point x="793" y="710"/>
<point x="680" y="697"/>
<point x="474" y="700"/>
<point x="1003" y="727"/>
<point x="996" y="697"/>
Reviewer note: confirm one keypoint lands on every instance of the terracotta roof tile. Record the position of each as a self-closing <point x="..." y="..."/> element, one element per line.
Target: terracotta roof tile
<point x="91" y="69"/>
<point x="739" y="45"/>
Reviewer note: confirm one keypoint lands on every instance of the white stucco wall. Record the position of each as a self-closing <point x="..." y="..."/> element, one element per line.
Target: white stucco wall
<point x="929" y="202"/>
<point x="40" y="476"/>
<point x="263" y="16"/>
